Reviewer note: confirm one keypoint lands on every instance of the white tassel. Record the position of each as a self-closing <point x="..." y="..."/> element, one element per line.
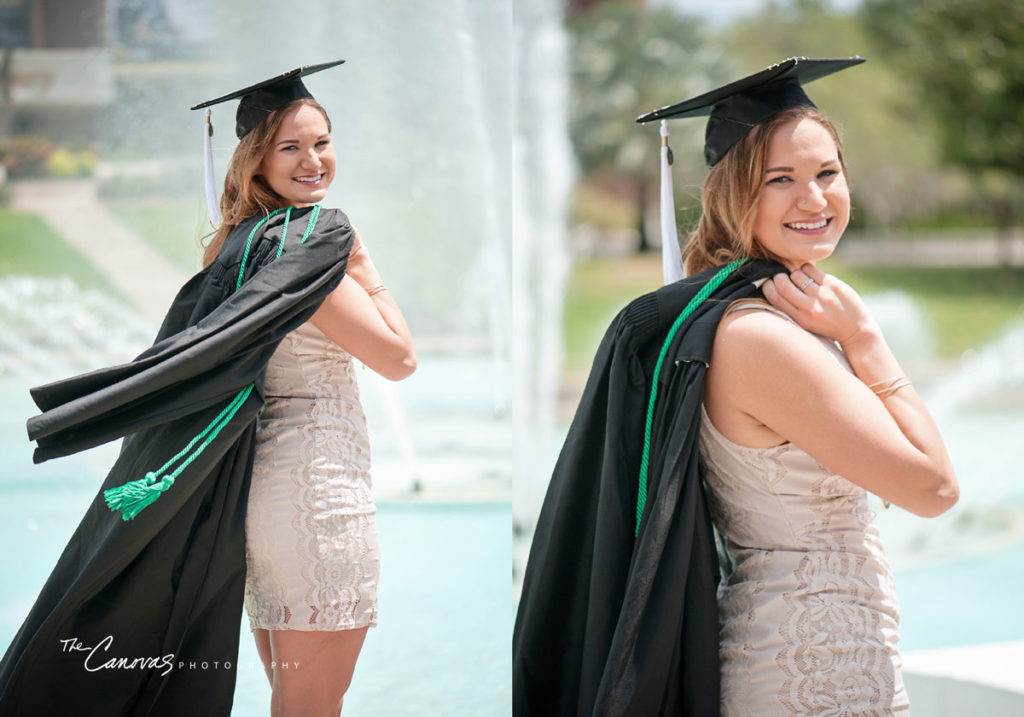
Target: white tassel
<point x="212" y="205"/>
<point x="671" y="260"/>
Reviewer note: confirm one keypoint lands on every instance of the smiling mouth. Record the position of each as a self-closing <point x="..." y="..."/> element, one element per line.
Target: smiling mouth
<point x="315" y="179"/>
<point x="809" y="226"/>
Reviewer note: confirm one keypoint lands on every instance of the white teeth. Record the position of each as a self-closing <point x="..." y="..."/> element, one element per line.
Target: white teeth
<point x="309" y="180"/>
<point x="807" y="225"/>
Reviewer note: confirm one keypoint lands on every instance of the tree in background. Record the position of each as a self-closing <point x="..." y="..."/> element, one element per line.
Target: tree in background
<point x="932" y="123"/>
<point x="627" y="59"/>
<point x="965" y="60"/>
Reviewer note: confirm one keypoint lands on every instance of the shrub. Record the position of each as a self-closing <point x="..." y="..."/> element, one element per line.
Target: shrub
<point x="63" y="163"/>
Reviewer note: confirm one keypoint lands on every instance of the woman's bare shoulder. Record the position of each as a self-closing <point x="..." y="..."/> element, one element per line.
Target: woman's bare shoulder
<point x="763" y="344"/>
<point x="755" y="324"/>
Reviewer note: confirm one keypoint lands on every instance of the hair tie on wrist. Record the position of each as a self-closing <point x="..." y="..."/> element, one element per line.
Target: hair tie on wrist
<point x="376" y="290"/>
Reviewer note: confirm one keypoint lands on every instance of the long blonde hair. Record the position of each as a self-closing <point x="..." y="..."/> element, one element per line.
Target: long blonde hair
<point x="246" y="192"/>
<point x="731" y="192"/>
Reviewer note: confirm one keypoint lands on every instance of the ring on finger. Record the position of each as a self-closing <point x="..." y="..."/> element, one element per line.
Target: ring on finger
<point x="807" y="282"/>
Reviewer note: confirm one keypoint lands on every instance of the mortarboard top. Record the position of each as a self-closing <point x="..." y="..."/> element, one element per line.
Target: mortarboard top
<point x="264" y="97"/>
<point x="738" y="106"/>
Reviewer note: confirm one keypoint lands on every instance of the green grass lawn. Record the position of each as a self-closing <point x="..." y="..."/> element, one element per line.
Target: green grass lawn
<point x="172" y="226"/>
<point x="597" y="289"/>
<point x="965" y="308"/>
<point x="31" y="248"/>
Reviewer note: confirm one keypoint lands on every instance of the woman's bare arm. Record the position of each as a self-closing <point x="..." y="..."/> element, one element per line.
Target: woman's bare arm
<point x="782" y="380"/>
<point x="362" y="317"/>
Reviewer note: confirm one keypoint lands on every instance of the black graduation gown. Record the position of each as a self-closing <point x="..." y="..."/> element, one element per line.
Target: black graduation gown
<point x="611" y="623"/>
<point x="167" y="586"/>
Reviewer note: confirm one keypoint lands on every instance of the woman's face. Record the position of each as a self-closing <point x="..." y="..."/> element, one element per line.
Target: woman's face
<point x="804" y="205"/>
<point x="299" y="165"/>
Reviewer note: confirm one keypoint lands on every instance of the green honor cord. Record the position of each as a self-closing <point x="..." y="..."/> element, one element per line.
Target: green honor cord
<point x="132" y="497"/>
<point x="702" y="295"/>
<point x="248" y="241"/>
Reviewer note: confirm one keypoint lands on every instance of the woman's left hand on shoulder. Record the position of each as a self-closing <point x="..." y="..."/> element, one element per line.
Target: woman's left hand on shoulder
<point x="820" y="303"/>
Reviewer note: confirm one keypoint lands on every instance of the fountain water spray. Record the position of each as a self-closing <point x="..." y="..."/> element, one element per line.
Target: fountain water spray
<point x="543" y="169"/>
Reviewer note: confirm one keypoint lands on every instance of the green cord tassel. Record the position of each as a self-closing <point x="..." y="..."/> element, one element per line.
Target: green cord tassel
<point x="702" y="295"/>
<point x="132" y="497"/>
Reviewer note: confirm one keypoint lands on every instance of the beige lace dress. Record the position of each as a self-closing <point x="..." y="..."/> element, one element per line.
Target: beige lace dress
<point x="312" y="552"/>
<point x="809" y="616"/>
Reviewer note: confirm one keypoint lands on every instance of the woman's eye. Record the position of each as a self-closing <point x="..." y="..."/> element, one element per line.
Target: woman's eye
<point x="323" y="143"/>
<point x="778" y="180"/>
<point x="827" y="173"/>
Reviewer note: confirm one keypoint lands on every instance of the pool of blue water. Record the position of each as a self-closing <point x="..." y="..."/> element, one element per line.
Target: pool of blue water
<point x="442" y="646"/>
<point x="969" y="601"/>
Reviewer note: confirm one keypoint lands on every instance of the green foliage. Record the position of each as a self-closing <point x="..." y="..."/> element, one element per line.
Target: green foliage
<point x="64" y="163"/>
<point x="627" y="59"/>
<point x="28" y="156"/>
<point x="966" y="62"/>
<point x="894" y="155"/>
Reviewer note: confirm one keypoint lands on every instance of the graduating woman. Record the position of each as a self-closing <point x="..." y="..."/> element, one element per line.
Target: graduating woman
<point x="251" y="376"/>
<point x="311" y="536"/>
<point x="787" y="403"/>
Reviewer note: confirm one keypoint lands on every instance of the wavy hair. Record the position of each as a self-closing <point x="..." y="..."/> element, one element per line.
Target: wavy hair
<point x="731" y="192"/>
<point x="246" y="192"/>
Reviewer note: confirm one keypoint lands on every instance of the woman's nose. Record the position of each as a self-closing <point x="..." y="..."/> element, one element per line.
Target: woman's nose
<point x="812" y="199"/>
<point x="311" y="159"/>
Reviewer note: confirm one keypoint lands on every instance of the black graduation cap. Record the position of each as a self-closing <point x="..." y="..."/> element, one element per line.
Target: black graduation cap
<point x="738" y="106"/>
<point x="258" y="101"/>
<point x="264" y="97"/>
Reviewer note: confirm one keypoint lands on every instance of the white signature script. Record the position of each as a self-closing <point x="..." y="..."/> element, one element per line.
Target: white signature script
<point x="73" y="644"/>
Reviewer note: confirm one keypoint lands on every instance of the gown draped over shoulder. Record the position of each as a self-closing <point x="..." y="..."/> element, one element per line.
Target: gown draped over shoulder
<point x="808" y="616"/>
<point x="312" y="550"/>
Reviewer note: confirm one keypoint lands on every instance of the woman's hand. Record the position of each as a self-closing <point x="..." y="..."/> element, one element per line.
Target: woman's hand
<point x="822" y="304"/>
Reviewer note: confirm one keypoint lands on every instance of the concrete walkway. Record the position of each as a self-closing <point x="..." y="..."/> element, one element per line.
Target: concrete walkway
<point x="72" y="209"/>
<point x="982" y="680"/>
